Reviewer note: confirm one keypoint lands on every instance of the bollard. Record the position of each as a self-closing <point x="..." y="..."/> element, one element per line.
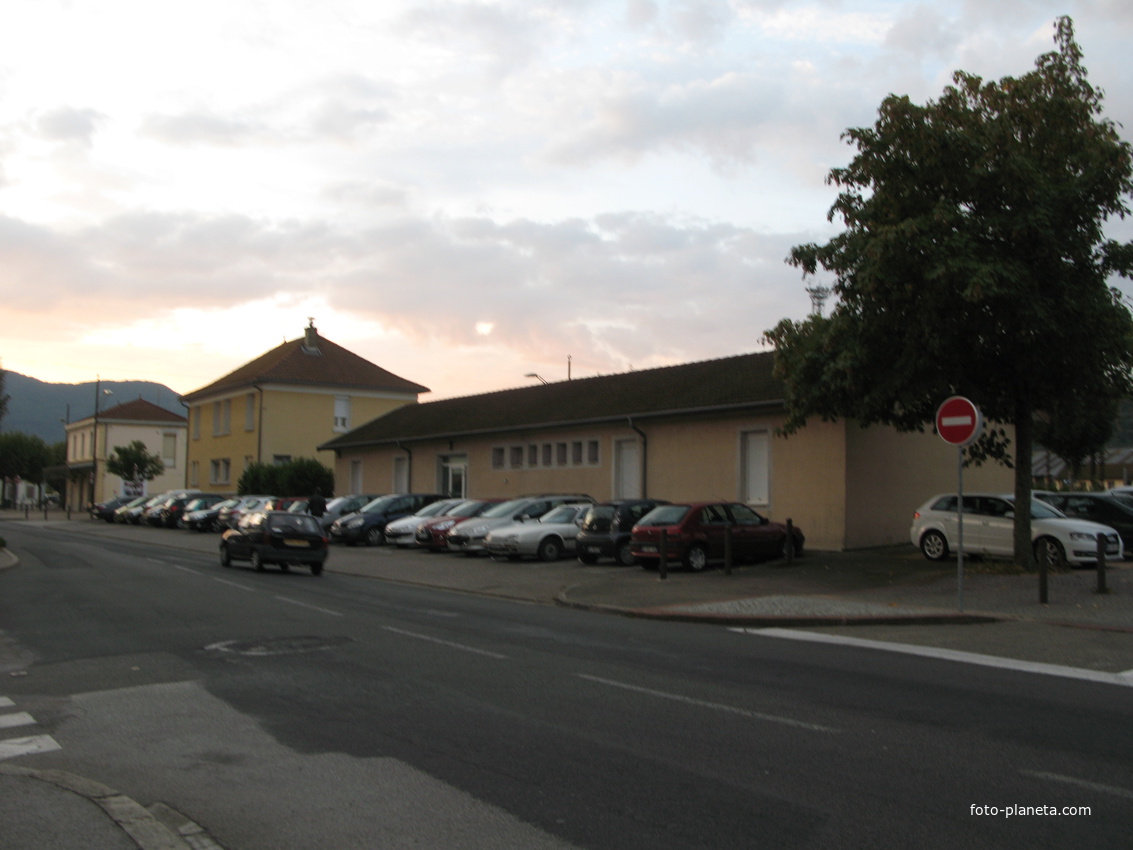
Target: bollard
<point x="1101" y="564"/>
<point x="790" y="546"/>
<point x="27" y="511"/>
<point x="1044" y="563"/>
<point x="663" y="562"/>
<point x="727" y="550"/>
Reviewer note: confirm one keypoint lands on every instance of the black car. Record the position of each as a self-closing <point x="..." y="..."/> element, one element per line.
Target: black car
<point x="276" y="537"/>
<point x="1103" y="508"/>
<point x="369" y="524"/>
<point x="606" y="529"/>
<point x="175" y="514"/>
<point x="105" y="510"/>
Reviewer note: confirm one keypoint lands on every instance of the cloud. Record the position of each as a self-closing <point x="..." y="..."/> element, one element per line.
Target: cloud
<point x="202" y="127"/>
<point x="66" y="124"/>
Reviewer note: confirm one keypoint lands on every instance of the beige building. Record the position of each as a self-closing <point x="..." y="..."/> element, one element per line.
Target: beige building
<point x="696" y="431"/>
<point x="282" y="405"/>
<point x="92" y="440"/>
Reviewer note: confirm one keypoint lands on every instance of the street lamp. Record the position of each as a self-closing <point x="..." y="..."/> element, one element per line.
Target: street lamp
<point x="533" y="375"/>
<point x="98" y="393"/>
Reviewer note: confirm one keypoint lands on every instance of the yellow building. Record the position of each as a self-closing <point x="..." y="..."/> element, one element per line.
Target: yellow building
<point x="92" y="440"/>
<point x="282" y="405"/>
<point x="698" y="431"/>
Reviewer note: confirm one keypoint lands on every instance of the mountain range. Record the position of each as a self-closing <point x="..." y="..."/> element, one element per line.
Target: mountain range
<point x="38" y="408"/>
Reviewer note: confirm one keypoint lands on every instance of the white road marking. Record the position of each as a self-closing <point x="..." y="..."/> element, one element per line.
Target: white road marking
<point x="13" y="747"/>
<point x="6" y="702"/>
<point x="460" y="646"/>
<point x="185" y="569"/>
<point x="1125" y="679"/>
<point x="311" y="607"/>
<point x="715" y="706"/>
<point x="234" y="584"/>
<point x="19" y="718"/>
<point x="1081" y="783"/>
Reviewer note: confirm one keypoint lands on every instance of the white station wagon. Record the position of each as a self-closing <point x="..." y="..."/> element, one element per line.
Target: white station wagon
<point x="989" y="529"/>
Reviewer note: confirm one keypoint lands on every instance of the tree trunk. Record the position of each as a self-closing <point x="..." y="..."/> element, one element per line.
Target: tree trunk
<point x="1024" y="443"/>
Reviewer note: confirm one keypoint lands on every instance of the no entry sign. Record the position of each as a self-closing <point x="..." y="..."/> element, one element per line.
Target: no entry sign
<point x="958" y="421"/>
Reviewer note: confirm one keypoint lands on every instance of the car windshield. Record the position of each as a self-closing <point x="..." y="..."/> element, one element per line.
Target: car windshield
<point x="377" y="504"/>
<point x="504" y="508"/>
<point x="468" y="508"/>
<point x="664" y="515"/>
<point x="563" y="513"/>
<point x="1040" y="510"/>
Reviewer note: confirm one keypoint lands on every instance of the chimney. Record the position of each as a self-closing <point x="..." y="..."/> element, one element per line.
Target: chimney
<point x="311" y="337"/>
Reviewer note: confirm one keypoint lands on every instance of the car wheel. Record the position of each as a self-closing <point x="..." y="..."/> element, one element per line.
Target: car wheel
<point x="225" y="557"/>
<point x="316" y="569"/>
<point x="550" y="549"/>
<point x="934" y="546"/>
<point x="696" y="559"/>
<point x="623" y="556"/>
<point x="587" y="558"/>
<point x="1055" y="554"/>
<point x="257" y="561"/>
<point x="374" y="537"/>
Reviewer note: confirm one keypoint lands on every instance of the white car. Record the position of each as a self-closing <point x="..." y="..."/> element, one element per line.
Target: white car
<point x="989" y="529"/>
<point x="468" y="537"/>
<point x="403" y="532"/>
<point x="548" y="539"/>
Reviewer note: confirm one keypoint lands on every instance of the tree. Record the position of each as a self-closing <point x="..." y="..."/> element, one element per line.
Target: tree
<point x="4" y="397"/>
<point x="134" y="463"/>
<point x="23" y="456"/>
<point x="974" y="261"/>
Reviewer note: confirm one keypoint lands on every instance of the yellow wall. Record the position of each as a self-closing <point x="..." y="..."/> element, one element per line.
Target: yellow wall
<point x="295" y="422"/>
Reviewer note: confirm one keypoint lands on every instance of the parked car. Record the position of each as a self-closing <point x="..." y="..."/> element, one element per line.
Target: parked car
<point x="431" y="533"/>
<point x="548" y="539"/>
<point x="169" y="514"/>
<point x="468" y="537"/>
<point x="403" y="532"/>
<point x="696" y="535"/>
<point x="276" y="537"/>
<point x="228" y="517"/>
<point x="1114" y="511"/>
<point x="344" y="506"/>
<point x="134" y="512"/>
<point x="369" y="524"/>
<point x="989" y="529"/>
<point x="122" y="512"/>
<point x="208" y="518"/>
<point x="199" y="502"/>
<point x="607" y="527"/>
<point x="105" y="510"/>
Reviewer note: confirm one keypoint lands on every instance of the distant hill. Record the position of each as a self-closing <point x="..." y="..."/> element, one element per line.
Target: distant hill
<point x="36" y="407"/>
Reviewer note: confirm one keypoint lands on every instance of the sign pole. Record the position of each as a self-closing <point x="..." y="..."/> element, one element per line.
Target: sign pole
<point x="960" y="528"/>
<point x="959" y="423"/>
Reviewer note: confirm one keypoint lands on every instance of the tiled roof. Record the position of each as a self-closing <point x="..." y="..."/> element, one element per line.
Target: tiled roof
<point x="731" y="383"/>
<point x="138" y="410"/>
<point x="293" y="362"/>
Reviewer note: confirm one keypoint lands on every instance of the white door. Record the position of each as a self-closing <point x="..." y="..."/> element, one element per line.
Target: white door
<point x="627" y="469"/>
<point x="755" y="459"/>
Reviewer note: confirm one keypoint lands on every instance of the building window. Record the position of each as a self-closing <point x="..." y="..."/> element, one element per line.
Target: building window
<point x="250" y="412"/>
<point x="195" y="415"/>
<point x="169" y="450"/>
<point x="755" y="467"/>
<point x="576" y="453"/>
<point x="548" y="455"/>
<point x="221" y="417"/>
<point x="533" y="456"/>
<point x="220" y="471"/>
<point x="516" y="457"/>
<point x="498" y="457"/>
<point x="280" y="459"/>
<point x="561" y="454"/>
<point x="342" y="413"/>
<point x="592" y="456"/>
<point x="194" y="473"/>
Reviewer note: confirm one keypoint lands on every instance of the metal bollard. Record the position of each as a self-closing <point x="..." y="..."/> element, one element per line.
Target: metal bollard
<point x="1101" y="564"/>
<point x="790" y="547"/>
<point x="728" y="550"/>
<point x="663" y="562"/>
<point x="1044" y="564"/>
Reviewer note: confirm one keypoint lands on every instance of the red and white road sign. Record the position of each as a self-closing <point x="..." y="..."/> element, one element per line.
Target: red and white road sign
<point x="958" y="421"/>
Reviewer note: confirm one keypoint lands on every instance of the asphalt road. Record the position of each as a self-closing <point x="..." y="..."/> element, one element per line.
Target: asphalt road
<point x="285" y="711"/>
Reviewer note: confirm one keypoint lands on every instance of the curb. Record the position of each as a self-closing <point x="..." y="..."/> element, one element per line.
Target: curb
<point x="131" y="817"/>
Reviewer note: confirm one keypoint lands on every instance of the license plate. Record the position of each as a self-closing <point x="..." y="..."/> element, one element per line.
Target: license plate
<point x="594" y="550"/>
<point x="290" y="541"/>
<point x="648" y="548"/>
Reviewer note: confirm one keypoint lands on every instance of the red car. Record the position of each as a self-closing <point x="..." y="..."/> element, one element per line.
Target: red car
<point x="431" y="533"/>
<point x="696" y="535"/>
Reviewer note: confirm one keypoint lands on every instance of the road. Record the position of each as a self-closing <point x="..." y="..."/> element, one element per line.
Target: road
<point x="279" y="711"/>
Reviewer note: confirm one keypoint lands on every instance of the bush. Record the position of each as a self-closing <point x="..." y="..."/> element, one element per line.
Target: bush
<point x="295" y="478"/>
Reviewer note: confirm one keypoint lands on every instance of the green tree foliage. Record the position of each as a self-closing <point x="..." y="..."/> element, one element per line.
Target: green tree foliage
<point x="974" y="261"/>
<point x="4" y="397"/>
<point x="134" y="463"/>
<point x="298" y="477"/>
<point x="23" y="456"/>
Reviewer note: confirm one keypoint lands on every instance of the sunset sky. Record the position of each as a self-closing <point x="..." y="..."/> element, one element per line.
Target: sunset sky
<point x="462" y="192"/>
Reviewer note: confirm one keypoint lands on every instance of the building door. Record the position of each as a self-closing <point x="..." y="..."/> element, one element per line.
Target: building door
<point x="454" y="476"/>
<point x="627" y="469"/>
<point x="755" y="459"/>
<point x="356" y="476"/>
<point x="401" y="474"/>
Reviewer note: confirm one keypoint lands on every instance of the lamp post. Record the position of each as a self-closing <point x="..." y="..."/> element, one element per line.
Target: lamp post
<point x="98" y="391"/>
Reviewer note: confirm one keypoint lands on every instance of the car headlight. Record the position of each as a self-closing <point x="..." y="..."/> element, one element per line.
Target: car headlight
<point x="1082" y="536"/>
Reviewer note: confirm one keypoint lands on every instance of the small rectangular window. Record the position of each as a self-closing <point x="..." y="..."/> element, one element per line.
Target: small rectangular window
<point x="561" y="454"/>
<point x="517" y="457"/>
<point x="592" y="452"/>
<point x="250" y="412"/>
<point x="533" y="456"/>
<point x="576" y="453"/>
<point x="548" y="455"/>
<point x="169" y="450"/>
<point x="498" y="457"/>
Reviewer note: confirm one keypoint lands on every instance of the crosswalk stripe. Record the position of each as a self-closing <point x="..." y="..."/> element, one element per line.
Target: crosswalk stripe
<point x="26" y="746"/>
<point x="20" y="718"/>
<point x="6" y="702"/>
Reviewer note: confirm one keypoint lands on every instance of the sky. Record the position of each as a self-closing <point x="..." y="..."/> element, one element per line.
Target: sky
<point x="465" y="193"/>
